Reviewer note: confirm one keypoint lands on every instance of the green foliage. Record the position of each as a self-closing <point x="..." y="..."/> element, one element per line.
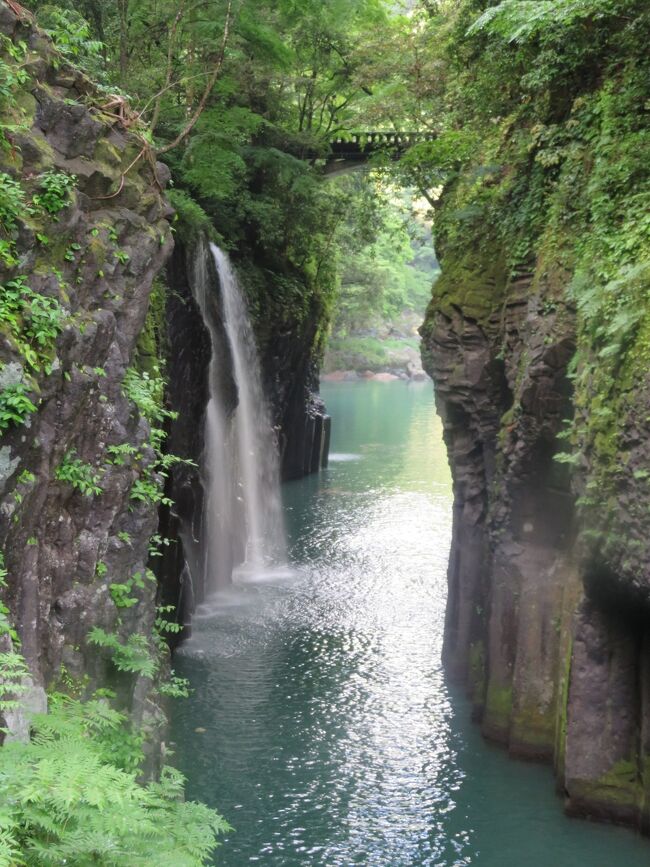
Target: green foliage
<point x="147" y="390"/>
<point x="214" y="163"/>
<point x="12" y="202"/>
<point x="429" y="164"/>
<point x="13" y="669"/>
<point x="156" y="543"/>
<point x="13" y="672"/>
<point x="12" y="76"/>
<point x="163" y="626"/>
<point x="175" y="687"/>
<point x="55" y="192"/>
<point x="148" y="489"/>
<point x="33" y="320"/>
<point x="392" y="271"/>
<point x="191" y="220"/>
<point x="133" y="656"/>
<point x="120" y="455"/>
<point x="147" y="393"/>
<point x="572" y="459"/>
<point x="71" y="796"/>
<point x="15" y="405"/>
<point x="5" y="625"/>
<point x="70" y="254"/>
<point x="72" y="35"/>
<point x="42" y="318"/>
<point x="79" y="474"/>
<point x="523" y="20"/>
<point x="121" y="593"/>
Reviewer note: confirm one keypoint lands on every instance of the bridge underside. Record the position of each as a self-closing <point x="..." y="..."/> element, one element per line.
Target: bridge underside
<point x="342" y="166"/>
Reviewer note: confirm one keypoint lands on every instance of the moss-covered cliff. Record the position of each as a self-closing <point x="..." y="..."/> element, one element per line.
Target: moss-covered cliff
<point x="537" y="338"/>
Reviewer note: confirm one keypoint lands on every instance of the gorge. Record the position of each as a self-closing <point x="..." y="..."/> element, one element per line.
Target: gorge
<point x="171" y="264"/>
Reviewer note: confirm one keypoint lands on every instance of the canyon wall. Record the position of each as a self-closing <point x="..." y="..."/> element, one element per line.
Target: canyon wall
<point x="537" y="341"/>
<point x="84" y="238"/>
<point x="85" y="418"/>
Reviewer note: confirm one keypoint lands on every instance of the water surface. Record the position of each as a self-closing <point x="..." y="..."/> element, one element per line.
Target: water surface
<point x="320" y="724"/>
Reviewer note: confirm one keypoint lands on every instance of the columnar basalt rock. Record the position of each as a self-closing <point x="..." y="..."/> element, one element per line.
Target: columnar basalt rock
<point x="547" y="631"/>
<point x="96" y="258"/>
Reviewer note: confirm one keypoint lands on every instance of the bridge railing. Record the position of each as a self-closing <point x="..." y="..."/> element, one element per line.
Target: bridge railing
<point x="382" y="139"/>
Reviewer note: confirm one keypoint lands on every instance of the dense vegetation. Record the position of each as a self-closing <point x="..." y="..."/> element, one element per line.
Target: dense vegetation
<point x="242" y="99"/>
<point x="385" y="284"/>
<point x="542" y="155"/>
<point x="547" y="105"/>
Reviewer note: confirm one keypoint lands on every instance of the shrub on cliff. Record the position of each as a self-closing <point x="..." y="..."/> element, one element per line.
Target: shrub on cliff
<point x="71" y="796"/>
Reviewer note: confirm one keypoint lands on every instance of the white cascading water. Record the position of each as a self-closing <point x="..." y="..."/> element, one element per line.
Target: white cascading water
<point x="240" y="465"/>
<point x="256" y="447"/>
<point x="217" y="467"/>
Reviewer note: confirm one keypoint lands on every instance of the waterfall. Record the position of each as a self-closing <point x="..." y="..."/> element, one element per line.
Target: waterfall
<point x="240" y="461"/>
<point x="216" y="542"/>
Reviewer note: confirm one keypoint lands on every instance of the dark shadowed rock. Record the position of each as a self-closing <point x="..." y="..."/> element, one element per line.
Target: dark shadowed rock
<point x="545" y="626"/>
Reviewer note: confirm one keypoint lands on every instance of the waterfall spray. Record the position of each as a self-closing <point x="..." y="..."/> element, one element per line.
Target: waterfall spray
<point x="257" y="454"/>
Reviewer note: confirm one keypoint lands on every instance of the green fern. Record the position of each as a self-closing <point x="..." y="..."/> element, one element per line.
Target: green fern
<point x="521" y="20"/>
<point x="67" y="798"/>
<point x="133" y="656"/>
<point x="13" y="672"/>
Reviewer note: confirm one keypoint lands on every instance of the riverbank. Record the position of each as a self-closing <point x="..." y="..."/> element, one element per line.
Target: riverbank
<point x="391" y="348"/>
<point x="371" y="376"/>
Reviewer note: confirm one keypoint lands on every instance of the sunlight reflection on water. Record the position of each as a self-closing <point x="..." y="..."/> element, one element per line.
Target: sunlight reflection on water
<point x="326" y="734"/>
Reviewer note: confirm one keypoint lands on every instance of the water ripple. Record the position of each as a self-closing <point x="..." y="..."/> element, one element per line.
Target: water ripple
<point x="320" y="724"/>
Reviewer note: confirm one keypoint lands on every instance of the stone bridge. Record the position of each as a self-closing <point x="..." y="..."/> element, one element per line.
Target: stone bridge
<point x="353" y="150"/>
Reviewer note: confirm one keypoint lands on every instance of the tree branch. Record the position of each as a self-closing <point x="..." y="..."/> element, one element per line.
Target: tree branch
<point x="208" y="88"/>
<point x="170" y="63"/>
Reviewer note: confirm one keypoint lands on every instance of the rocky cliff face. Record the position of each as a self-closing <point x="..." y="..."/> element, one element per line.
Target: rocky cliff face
<point x="540" y="624"/>
<point x="542" y="383"/>
<point x="84" y="239"/>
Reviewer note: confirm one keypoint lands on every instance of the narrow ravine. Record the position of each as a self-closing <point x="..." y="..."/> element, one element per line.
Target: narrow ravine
<point x="437" y="208"/>
<point x="320" y="723"/>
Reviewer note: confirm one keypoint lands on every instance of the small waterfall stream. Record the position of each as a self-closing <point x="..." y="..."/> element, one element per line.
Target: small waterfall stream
<point x="243" y="532"/>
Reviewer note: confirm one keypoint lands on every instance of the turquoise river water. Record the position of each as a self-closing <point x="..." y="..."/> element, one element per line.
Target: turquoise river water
<point x="320" y="724"/>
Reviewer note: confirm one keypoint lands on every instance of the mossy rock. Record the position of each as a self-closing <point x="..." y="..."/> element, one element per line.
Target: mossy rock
<point x="498" y="711"/>
<point x="472" y="285"/>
